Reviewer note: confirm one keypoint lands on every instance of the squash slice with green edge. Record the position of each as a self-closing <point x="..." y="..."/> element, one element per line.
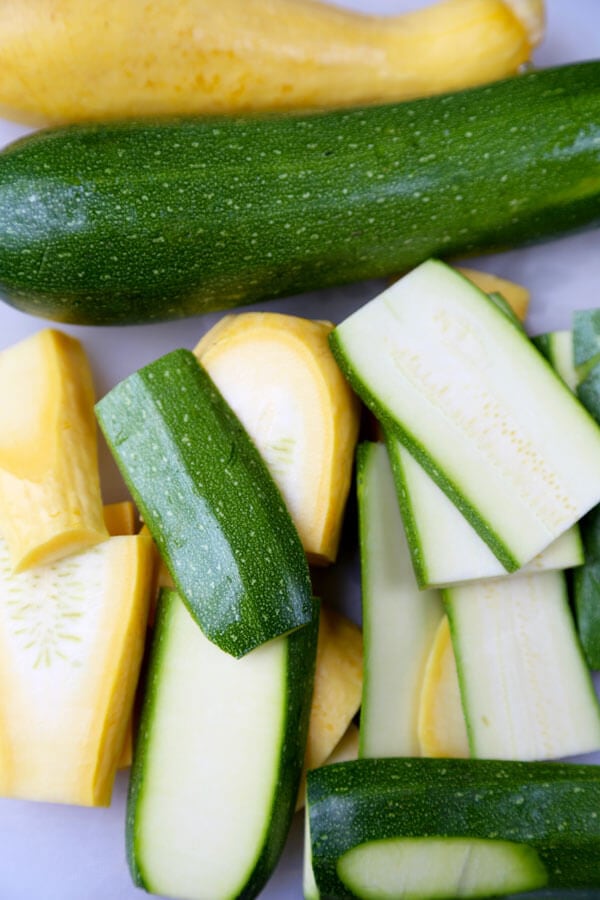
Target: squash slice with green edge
<point x="399" y="620"/>
<point x="460" y="385"/>
<point x="280" y="378"/>
<point x="50" y="503"/>
<point x="217" y="518"/>
<point x="526" y="690"/>
<point x="218" y="759"/>
<point x="72" y="635"/>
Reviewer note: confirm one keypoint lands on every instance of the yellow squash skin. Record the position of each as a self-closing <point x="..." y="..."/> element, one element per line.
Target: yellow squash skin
<point x="280" y="378"/>
<point x="441" y="727"/>
<point x="69" y="663"/>
<point x="515" y="295"/>
<point x="337" y="690"/>
<point x="68" y="60"/>
<point x="50" y="503"/>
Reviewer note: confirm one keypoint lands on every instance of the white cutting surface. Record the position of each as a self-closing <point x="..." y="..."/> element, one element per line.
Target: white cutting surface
<point x="59" y="853"/>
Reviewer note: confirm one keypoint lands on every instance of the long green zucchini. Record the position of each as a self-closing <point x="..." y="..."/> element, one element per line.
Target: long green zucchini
<point x="446" y="828"/>
<point x="140" y="221"/>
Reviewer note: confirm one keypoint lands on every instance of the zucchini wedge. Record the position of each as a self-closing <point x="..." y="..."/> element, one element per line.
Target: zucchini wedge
<point x="460" y="385"/>
<point x="217" y="765"/>
<point x="445" y="549"/>
<point x="526" y="690"/>
<point x="218" y="520"/>
<point x="410" y="829"/>
<point x="399" y="621"/>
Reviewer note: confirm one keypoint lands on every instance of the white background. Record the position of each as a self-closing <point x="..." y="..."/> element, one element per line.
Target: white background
<point x="59" y="853"/>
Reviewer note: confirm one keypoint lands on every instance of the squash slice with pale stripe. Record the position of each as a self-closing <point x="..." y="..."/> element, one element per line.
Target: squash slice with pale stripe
<point x="71" y="642"/>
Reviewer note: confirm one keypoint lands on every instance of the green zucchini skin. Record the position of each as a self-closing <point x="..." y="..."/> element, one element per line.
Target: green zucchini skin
<point x="551" y="807"/>
<point x="210" y="503"/>
<point x="301" y="648"/>
<point x="146" y="220"/>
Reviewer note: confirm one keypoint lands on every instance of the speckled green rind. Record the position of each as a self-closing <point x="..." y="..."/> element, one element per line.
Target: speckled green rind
<point x="586" y="340"/>
<point x="215" y="513"/>
<point x="409" y="520"/>
<point x="138" y="221"/>
<point x="552" y="807"/>
<point x="296" y="695"/>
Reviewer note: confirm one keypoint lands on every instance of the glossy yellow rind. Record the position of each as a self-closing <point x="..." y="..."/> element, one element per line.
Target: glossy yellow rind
<point x="515" y="295"/>
<point x="69" y="664"/>
<point x="338" y="684"/>
<point x="120" y="518"/>
<point x="441" y="727"/>
<point x="50" y="503"/>
<point x="64" y="60"/>
<point x="280" y="378"/>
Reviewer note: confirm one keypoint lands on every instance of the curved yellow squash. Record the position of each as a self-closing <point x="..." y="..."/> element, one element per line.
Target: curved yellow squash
<point x="442" y="729"/>
<point x="68" y="60"/>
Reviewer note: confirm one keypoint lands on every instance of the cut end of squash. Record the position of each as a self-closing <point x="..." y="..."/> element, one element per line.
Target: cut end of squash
<point x="50" y="502"/>
<point x="532" y="13"/>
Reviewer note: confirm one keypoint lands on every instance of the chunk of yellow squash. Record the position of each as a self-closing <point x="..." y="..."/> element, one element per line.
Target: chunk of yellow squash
<point x="120" y="518"/>
<point x="515" y="295"/>
<point x="67" y="60"/>
<point x="441" y="726"/>
<point x="337" y="689"/>
<point x="50" y="503"/>
<point x="71" y="641"/>
<point x="280" y="378"/>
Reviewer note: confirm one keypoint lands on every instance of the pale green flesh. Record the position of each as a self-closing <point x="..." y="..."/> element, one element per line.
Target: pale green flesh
<point x="211" y="763"/>
<point x="436" y="868"/>
<point x="464" y="389"/>
<point x="399" y="621"/>
<point x="561" y="357"/>
<point x="449" y="550"/>
<point x="309" y="885"/>
<point x="526" y="691"/>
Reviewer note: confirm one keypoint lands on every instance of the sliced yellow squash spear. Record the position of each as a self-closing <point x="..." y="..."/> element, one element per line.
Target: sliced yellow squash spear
<point x="280" y="378"/>
<point x="50" y="503"/>
<point x="71" y="641"/>
<point x="441" y="725"/>
<point x="66" y="60"/>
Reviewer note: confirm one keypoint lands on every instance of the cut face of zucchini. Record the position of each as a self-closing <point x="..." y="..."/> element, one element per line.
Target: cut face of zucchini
<point x="462" y="387"/>
<point x="217" y="765"/>
<point x="439" y="868"/>
<point x="399" y="621"/>
<point x="533" y="821"/>
<point x="526" y="691"/>
<point x="217" y="517"/>
<point x="445" y="548"/>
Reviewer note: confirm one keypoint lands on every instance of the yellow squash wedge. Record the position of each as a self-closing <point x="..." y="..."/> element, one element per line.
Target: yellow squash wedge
<point x="68" y="60"/>
<point x="441" y="725"/>
<point x="280" y="378"/>
<point x="71" y="642"/>
<point x="120" y="518"/>
<point x="337" y="688"/>
<point x="515" y="295"/>
<point x="50" y="503"/>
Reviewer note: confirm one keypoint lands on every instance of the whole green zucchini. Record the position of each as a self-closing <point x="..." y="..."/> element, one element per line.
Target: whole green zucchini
<point x="146" y="220"/>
